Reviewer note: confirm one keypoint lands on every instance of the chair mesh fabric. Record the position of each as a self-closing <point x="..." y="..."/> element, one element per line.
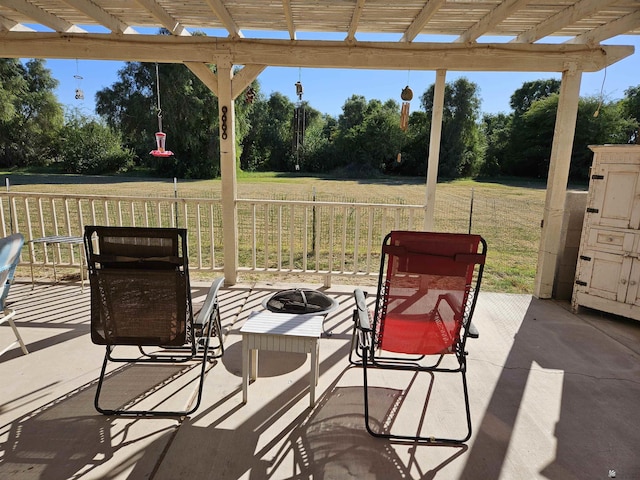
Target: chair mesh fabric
<point x="139" y="287"/>
<point x="133" y="307"/>
<point x="425" y="292"/>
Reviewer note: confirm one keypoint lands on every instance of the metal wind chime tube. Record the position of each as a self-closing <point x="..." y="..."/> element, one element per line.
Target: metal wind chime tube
<point x="299" y="124"/>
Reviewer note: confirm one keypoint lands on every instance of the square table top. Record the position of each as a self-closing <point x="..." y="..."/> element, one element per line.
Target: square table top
<point x="290" y="324"/>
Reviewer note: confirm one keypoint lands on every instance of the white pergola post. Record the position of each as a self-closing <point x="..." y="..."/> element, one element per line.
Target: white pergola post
<point x="434" y="149"/>
<point x="557" y="182"/>
<point x="226" y="117"/>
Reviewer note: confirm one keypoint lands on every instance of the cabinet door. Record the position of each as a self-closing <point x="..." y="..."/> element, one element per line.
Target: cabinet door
<point x="633" y="292"/>
<point x="615" y="199"/>
<point x="605" y="275"/>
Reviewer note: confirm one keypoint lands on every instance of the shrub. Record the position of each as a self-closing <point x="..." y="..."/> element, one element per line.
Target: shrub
<point x="89" y="147"/>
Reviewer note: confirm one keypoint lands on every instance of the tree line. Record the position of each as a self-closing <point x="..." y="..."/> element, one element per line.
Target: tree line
<point x="275" y="134"/>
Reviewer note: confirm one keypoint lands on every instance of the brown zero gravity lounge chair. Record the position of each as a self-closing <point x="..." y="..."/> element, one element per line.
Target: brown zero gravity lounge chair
<point x="141" y="296"/>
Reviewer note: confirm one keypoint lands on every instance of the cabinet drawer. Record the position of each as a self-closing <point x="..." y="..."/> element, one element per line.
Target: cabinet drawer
<point x="604" y="274"/>
<point x="614" y="241"/>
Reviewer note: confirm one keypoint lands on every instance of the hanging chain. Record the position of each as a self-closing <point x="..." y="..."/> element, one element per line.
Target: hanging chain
<point x="158" y="95"/>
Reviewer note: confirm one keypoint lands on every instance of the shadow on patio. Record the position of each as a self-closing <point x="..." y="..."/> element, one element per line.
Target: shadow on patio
<point x="553" y="395"/>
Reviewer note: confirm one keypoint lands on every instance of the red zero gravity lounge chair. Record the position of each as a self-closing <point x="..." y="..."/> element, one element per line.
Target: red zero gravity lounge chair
<point x="427" y="291"/>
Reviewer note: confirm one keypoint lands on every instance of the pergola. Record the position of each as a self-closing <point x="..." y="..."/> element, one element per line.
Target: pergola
<point x="119" y="30"/>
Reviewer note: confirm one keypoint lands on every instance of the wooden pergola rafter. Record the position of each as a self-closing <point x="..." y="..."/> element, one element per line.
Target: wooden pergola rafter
<point x="60" y="29"/>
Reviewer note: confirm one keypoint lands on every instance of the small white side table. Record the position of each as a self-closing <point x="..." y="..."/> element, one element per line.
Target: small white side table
<point x="58" y="240"/>
<point x="280" y="332"/>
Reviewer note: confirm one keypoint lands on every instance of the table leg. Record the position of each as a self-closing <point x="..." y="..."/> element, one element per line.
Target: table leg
<point x="313" y="381"/>
<point x="33" y="284"/>
<point x="53" y="258"/>
<point x="245" y="369"/>
<point x="253" y="361"/>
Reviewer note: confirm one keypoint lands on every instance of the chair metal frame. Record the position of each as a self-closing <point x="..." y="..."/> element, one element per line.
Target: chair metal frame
<point x="14" y="243"/>
<point x="199" y="330"/>
<point x="365" y="347"/>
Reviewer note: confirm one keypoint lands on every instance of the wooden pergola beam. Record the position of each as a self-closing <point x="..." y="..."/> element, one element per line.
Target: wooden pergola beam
<point x="167" y="21"/>
<point x="225" y="17"/>
<point x="571" y="14"/>
<point x="288" y="15"/>
<point x="355" y="20"/>
<point x="41" y="16"/>
<point x="491" y="19"/>
<point x="617" y="27"/>
<point x="427" y="12"/>
<point x="101" y="16"/>
<point x="314" y="54"/>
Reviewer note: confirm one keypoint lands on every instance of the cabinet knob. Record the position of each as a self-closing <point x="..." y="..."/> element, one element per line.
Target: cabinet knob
<point x="623" y="281"/>
<point x="632" y="282"/>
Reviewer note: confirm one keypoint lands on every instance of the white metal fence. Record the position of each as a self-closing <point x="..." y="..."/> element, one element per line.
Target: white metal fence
<point x="274" y="236"/>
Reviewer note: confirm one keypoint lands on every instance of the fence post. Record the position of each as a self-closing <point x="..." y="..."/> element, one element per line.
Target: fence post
<point x="313" y="220"/>
<point x="6" y="179"/>
<point x="175" y="195"/>
<point x="471" y="212"/>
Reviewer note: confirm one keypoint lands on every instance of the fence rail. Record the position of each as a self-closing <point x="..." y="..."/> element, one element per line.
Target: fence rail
<point x="274" y="236"/>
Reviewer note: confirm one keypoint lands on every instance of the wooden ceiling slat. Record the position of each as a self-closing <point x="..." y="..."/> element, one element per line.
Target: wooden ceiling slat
<point x="453" y="17"/>
<point x="463" y="21"/>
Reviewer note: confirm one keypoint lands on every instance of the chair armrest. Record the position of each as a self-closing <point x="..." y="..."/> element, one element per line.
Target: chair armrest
<point x="362" y="320"/>
<point x="210" y="303"/>
<point x="449" y="298"/>
<point x="472" y="331"/>
<point x="361" y="312"/>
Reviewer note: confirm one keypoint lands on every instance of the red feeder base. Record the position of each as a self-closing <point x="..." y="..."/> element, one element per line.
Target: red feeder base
<point x="161" y="153"/>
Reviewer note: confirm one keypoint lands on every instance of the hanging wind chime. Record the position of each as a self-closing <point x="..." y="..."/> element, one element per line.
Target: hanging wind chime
<point x="299" y="126"/>
<point x="78" y="77"/>
<point x="406" y="96"/>
<point x="161" y="137"/>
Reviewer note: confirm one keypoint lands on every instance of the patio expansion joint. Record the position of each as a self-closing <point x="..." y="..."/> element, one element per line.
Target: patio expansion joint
<point x="553" y="371"/>
<point x="166" y="448"/>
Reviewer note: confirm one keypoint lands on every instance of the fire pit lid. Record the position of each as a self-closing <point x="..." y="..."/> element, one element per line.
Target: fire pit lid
<point x="300" y="300"/>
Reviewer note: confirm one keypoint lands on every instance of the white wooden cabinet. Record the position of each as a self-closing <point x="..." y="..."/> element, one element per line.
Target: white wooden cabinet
<point x="608" y="268"/>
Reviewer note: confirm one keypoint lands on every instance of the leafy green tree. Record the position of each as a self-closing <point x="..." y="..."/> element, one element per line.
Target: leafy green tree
<point x="12" y="83"/>
<point x="253" y="155"/>
<point x="30" y="115"/>
<point x="189" y="117"/>
<point x="610" y="125"/>
<point x="88" y="146"/>
<point x="460" y="148"/>
<point x="530" y="145"/>
<point x="525" y="161"/>
<point x="415" y="148"/>
<point x="268" y="142"/>
<point x="353" y="112"/>
<point x="314" y="140"/>
<point x="497" y="131"/>
<point x="369" y="135"/>
<point x="631" y="109"/>
<point x="320" y="149"/>
<point x="537" y="130"/>
<point x="529" y="92"/>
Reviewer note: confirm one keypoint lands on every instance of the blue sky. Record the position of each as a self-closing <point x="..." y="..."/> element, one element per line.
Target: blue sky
<point x="327" y="89"/>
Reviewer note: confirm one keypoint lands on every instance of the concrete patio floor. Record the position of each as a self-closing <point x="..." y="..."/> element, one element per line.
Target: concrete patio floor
<point x="554" y="395"/>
